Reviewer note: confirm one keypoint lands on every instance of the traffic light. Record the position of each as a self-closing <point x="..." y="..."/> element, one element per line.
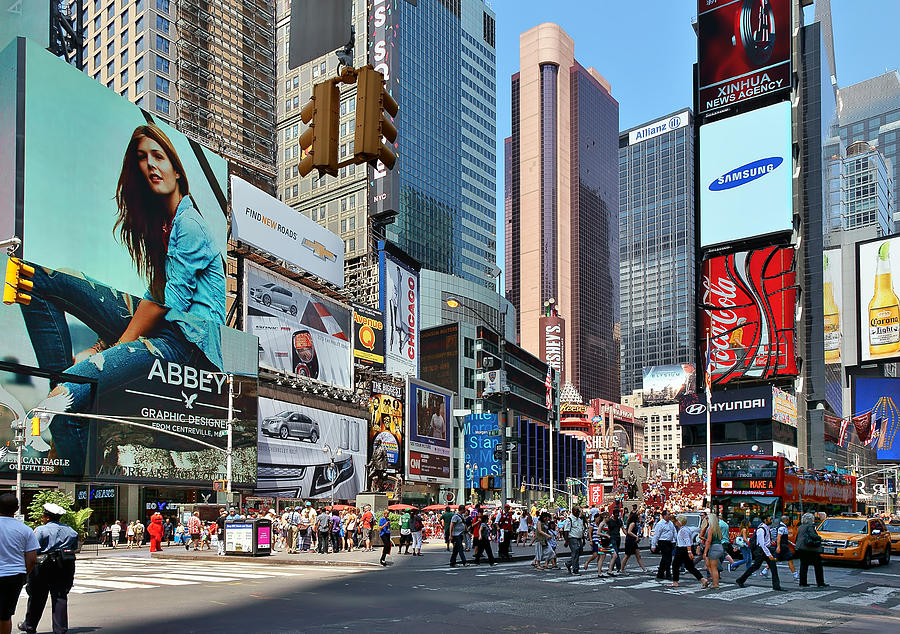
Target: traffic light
<point x="320" y="140"/>
<point x="373" y="105"/>
<point x="18" y="282"/>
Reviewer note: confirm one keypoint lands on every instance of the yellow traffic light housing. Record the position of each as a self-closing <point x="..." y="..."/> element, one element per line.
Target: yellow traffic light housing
<point x="374" y="109"/>
<point x="321" y="137"/>
<point x="18" y="282"/>
<point x="35" y="425"/>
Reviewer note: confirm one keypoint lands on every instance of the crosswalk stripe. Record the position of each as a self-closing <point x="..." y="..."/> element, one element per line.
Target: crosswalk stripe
<point x="786" y="597"/>
<point x="878" y="594"/>
<point x="217" y="573"/>
<point x="193" y="577"/>
<point x="643" y="585"/>
<point x="80" y="590"/>
<point x="739" y="593"/>
<point x="114" y="585"/>
<point x="163" y="581"/>
<point x="680" y="590"/>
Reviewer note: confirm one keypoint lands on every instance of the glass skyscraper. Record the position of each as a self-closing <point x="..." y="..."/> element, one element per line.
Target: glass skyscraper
<point x="562" y="207"/>
<point x="656" y="245"/>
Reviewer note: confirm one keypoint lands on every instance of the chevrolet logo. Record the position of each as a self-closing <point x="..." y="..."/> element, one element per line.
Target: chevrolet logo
<point x="319" y="250"/>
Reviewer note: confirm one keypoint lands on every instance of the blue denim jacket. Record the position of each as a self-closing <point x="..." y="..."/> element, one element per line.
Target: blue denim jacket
<point x="195" y="282"/>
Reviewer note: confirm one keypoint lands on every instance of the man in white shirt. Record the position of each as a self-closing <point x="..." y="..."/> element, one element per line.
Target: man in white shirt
<point x="18" y="554"/>
<point x="761" y="553"/>
<point x="573" y="530"/>
<point x="663" y="541"/>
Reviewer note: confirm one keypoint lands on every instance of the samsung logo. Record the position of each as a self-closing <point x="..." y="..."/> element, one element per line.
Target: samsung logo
<point x="745" y="173"/>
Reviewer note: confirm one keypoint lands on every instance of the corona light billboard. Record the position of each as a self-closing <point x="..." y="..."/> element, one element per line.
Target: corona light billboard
<point x="877" y="303"/>
<point x="748" y="310"/>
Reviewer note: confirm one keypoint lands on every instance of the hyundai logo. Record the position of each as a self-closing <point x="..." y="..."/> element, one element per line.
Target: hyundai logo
<point x="695" y="410"/>
<point x="674" y="122"/>
<point x="745" y="173"/>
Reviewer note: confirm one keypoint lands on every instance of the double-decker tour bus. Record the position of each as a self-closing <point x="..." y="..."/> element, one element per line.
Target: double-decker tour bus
<point x="747" y="487"/>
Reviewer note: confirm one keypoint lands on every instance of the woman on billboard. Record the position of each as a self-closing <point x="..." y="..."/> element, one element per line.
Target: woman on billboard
<point x="176" y="321"/>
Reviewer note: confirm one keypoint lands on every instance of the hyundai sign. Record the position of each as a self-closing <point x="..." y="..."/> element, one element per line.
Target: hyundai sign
<point x="745" y="175"/>
<point x="656" y="128"/>
<point x="734" y="405"/>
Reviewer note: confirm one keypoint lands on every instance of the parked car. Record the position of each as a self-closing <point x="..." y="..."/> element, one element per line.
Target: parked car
<point x="291" y="424"/>
<point x="274" y="295"/>
<point x="853" y="538"/>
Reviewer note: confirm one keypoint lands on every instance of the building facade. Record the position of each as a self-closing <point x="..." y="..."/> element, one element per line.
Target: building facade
<point x="662" y="431"/>
<point x="205" y="67"/>
<point x="562" y="207"/>
<point x="656" y="245"/>
<point x="443" y="183"/>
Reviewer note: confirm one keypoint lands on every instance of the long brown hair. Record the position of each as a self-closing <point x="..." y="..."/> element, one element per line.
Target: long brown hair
<point x="141" y="219"/>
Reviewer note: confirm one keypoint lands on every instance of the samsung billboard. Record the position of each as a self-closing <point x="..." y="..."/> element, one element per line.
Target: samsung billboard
<point x="746" y="168"/>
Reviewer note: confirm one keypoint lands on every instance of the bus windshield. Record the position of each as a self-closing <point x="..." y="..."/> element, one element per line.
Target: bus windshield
<point x="841" y="525"/>
<point x="734" y="509"/>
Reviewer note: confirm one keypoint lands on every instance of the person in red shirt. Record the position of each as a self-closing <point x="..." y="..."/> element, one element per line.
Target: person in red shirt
<point x="367" y="519"/>
<point x="194" y="530"/>
<point x="505" y="523"/>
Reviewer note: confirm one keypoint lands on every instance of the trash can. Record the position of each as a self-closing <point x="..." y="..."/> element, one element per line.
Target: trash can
<point x="251" y="537"/>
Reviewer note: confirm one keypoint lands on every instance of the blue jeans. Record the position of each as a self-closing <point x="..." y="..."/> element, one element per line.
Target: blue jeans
<point x="746" y="558"/>
<point x="107" y="312"/>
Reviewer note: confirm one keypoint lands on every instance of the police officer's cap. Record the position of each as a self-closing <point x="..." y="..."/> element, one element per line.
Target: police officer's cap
<point x="54" y="509"/>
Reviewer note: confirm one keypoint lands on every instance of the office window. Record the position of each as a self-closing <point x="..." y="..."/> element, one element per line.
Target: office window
<point x="315" y="72"/>
<point x="111" y="84"/>
<point x="139" y="64"/>
<point x="110" y="68"/>
<point x="162" y="24"/>
<point x="139" y="44"/>
<point x="139" y="84"/>
<point x="123" y="39"/>
<point x="124" y="93"/>
<point x="162" y="64"/>
<point x="163" y="5"/>
<point x="123" y="77"/>
<point x="162" y="104"/>
<point x="97" y="24"/>
<point x="139" y="102"/>
<point x="110" y="30"/>
<point x="138" y="6"/>
<point x="97" y="42"/>
<point x="110" y="10"/>
<point x="96" y="6"/>
<point x="162" y="85"/>
<point x="162" y="44"/>
<point x="110" y="50"/>
<point x="97" y="60"/>
<point x="123" y="58"/>
<point x="123" y="19"/>
<point x="139" y="24"/>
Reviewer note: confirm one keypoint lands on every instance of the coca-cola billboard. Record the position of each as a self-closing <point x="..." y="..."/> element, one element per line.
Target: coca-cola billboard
<point x="748" y="311"/>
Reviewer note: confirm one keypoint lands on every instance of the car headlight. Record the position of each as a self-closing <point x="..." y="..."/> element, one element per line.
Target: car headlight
<point x="852" y="544"/>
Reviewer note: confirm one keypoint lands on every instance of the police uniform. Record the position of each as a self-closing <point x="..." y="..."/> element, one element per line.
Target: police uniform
<point x="54" y="574"/>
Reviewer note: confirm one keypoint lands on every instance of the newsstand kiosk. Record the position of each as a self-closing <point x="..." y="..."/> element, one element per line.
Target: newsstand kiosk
<point x="251" y="537"/>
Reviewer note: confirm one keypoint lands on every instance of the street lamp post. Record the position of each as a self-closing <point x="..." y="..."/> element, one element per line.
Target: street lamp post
<point x="503" y="416"/>
<point x="332" y="475"/>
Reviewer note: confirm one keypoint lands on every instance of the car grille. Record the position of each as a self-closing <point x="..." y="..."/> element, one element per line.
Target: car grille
<point x="835" y="543"/>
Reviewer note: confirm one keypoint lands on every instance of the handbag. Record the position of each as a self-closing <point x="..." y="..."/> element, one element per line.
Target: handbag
<point x="741" y="543"/>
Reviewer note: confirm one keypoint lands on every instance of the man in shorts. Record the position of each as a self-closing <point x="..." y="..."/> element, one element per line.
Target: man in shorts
<point x="367" y="519"/>
<point x="18" y="554"/>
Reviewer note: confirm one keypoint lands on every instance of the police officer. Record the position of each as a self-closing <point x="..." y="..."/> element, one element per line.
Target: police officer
<point x="54" y="573"/>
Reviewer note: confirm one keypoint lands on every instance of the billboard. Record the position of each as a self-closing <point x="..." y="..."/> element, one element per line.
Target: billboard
<point x="784" y="407"/>
<point x="746" y="165"/>
<point x="384" y="24"/>
<point x="480" y="445"/>
<point x="386" y="422"/>
<point x="747" y="313"/>
<point x="876" y="300"/>
<point x="300" y="332"/>
<point x="129" y="280"/>
<point x="270" y="225"/>
<point x="25" y="18"/>
<point x="440" y="356"/>
<point x="292" y="462"/>
<point x="750" y="403"/>
<point x="553" y="344"/>
<point x="833" y="302"/>
<point x="880" y="397"/>
<point x="368" y="336"/>
<point x="429" y="437"/>
<point x="667" y="383"/>
<point x="399" y="289"/>
<point x="651" y="130"/>
<point x="743" y="50"/>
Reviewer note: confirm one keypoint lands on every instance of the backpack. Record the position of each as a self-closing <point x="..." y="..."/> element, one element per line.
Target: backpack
<point x="418" y="525"/>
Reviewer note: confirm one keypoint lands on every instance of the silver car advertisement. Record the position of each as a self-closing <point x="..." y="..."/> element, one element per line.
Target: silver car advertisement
<point x="293" y="459"/>
<point x="300" y="332"/>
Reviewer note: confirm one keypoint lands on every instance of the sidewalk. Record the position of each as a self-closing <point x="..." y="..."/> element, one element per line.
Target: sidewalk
<point x="434" y="554"/>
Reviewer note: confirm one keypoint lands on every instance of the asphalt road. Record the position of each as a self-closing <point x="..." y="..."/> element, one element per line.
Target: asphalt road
<point x="132" y="594"/>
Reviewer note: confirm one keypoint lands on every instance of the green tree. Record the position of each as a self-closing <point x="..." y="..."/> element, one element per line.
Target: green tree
<point x="77" y="519"/>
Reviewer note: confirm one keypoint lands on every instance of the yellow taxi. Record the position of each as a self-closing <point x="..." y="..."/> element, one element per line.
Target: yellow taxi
<point x="857" y="539"/>
<point x="894" y="529"/>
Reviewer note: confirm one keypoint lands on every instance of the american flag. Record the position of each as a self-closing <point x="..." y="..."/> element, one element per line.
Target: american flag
<point x="845" y="422"/>
<point x="548" y="383"/>
<point x="875" y="433"/>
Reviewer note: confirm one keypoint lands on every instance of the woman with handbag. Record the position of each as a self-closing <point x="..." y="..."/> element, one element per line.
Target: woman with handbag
<point x="809" y="547"/>
<point x="742" y="541"/>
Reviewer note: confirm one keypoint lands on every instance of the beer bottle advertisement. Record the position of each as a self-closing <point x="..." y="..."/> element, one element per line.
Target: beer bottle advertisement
<point x="879" y="305"/>
<point x="831" y="290"/>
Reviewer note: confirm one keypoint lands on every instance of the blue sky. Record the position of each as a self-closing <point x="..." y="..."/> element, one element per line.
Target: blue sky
<point x="645" y="49"/>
